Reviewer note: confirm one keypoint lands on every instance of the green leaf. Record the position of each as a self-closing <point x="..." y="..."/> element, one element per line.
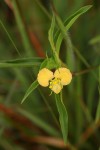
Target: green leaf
<point x="69" y="22"/>
<point x="48" y="63"/>
<point x="61" y="35"/>
<point x="63" y="116"/>
<point x="32" y="87"/>
<point x="23" y="62"/>
<point x="44" y="63"/>
<point x="51" y="33"/>
<point x="51" y="40"/>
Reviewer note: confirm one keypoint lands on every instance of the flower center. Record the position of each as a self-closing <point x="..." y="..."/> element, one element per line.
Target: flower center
<point x="55" y="85"/>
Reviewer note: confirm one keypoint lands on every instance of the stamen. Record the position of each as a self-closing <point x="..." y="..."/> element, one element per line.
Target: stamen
<point x="55" y="85"/>
<point x="54" y="82"/>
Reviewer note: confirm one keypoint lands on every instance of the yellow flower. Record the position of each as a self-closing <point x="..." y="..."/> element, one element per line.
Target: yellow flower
<point x="55" y="85"/>
<point x="64" y="75"/>
<point x="56" y="81"/>
<point x="44" y="76"/>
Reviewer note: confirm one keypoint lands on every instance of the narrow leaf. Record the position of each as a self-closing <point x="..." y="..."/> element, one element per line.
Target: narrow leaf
<point x="22" y="28"/>
<point x="48" y="63"/>
<point x="10" y="38"/>
<point x="32" y="87"/>
<point x="23" y="62"/>
<point x="69" y="22"/>
<point x="44" y="64"/>
<point x="51" y="32"/>
<point x="62" y="34"/>
<point x="63" y="116"/>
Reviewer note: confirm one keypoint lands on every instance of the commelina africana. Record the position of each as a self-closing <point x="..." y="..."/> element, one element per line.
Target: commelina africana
<point x="56" y="80"/>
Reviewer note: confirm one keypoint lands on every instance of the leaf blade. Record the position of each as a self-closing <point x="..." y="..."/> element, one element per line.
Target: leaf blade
<point x="51" y="32"/>
<point x="48" y="63"/>
<point x="23" y="62"/>
<point x="63" y="117"/>
<point x="69" y="22"/>
<point x="32" y="87"/>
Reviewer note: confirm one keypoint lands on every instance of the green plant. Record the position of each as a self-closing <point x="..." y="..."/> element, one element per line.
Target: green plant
<point x="58" y="33"/>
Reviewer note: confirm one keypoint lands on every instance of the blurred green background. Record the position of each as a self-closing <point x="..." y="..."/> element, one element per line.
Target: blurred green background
<point x="34" y="125"/>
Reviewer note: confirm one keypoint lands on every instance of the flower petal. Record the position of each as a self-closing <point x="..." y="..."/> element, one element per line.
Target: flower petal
<point x="44" y="76"/>
<point x="64" y="75"/>
<point x="55" y="85"/>
<point x="56" y="88"/>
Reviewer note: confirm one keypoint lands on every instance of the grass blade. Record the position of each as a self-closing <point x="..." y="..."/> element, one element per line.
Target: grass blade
<point x="22" y="28"/>
<point x="10" y="38"/>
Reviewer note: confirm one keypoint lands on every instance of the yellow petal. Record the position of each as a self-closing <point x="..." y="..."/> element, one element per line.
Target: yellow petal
<point x="56" y="88"/>
<point x="55" y="85"/>
<point x="44" y="76"/>
<point x="64" y="75"/>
